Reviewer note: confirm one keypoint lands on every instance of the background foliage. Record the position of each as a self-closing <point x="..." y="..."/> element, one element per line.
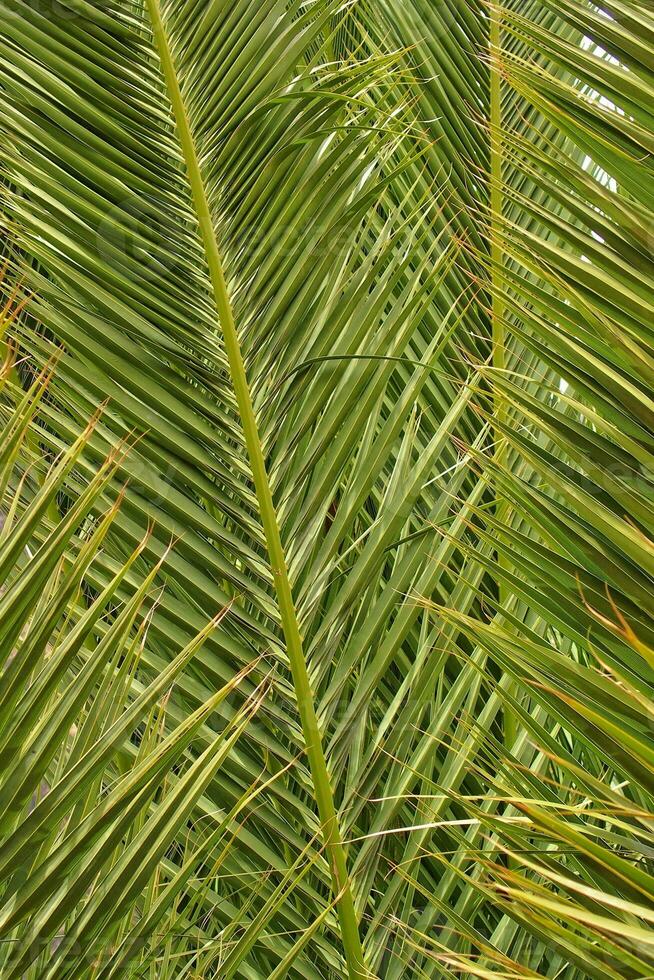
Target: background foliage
<point x="358" y="298"/>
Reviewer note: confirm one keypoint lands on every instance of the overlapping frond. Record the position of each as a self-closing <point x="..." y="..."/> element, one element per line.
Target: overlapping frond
<point x="372" y="286"/>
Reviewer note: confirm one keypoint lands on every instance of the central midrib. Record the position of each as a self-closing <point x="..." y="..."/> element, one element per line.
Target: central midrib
<point x="323" y="795"/>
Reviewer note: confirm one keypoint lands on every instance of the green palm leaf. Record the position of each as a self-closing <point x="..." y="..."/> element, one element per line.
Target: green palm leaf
<point x="370" y="286"/>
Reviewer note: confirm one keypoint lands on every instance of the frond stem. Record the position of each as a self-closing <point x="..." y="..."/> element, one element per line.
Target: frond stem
<point x="497" y="307"/>
<point x="317" y="762"/>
